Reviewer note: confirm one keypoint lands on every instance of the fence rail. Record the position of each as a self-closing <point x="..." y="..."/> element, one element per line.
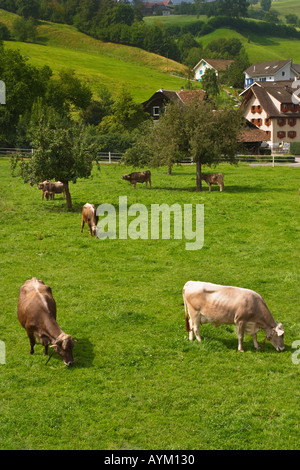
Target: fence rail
<point x="112" y="157"/>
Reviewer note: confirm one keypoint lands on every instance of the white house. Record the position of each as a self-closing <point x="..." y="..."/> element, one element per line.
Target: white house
<point x="271" y="71"/>
<point x="274" y="107"/>
<point x="218" y="65"/>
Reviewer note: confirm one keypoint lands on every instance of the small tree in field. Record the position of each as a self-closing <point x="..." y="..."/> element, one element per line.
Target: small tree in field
<point x="62" y="151"/>
<point x="212" y="135"/>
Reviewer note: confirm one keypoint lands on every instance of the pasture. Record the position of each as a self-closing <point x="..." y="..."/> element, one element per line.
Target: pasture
<point x="137" y="381"/>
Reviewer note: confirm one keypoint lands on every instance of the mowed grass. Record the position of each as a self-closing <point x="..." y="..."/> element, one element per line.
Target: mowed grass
<point x="138" y="382"/>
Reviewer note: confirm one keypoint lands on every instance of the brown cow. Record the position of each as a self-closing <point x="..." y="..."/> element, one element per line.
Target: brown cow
<point x="138" y="177"/>
<point x="37" y="314"/>
<point x="50" y="188"/>
<point x="90" y="217"/>
<point x="205" y="302"/>
<point x="214" y="178"/>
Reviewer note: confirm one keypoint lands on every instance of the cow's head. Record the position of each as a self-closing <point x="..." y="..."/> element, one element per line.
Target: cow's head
<point x="125" y="177"/>
<point x="276" y="337"/>
<point x="63" y="345"/>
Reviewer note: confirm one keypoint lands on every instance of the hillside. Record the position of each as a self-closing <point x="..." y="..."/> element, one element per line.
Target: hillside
<point x="259" y="48"/>
<point x="97" y="62"/>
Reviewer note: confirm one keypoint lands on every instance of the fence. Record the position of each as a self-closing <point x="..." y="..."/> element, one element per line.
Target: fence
<point x="111" y="157"/>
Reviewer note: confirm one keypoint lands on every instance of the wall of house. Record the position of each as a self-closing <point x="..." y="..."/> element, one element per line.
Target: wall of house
<point x="285" y="130"/>
<point x="200" y="71"/>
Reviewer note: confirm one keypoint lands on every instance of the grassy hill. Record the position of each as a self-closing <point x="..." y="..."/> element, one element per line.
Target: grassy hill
<point x="259" y="48"/>
<point x="97" y="62"/>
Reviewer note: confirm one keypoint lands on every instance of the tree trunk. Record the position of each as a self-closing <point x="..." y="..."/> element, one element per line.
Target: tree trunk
<point x="68" y="195"/>
<point x="199" y="174"/>
<point x="169" y="169"/>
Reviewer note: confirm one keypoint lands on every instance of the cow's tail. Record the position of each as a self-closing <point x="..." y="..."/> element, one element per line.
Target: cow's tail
<point x="187" y="322"/>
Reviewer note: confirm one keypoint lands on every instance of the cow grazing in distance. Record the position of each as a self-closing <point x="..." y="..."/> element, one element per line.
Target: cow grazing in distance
<point x="50" y="188"/>
<point x="89" y="216"/>
<point x="214" y="178"/>
<point x="138" y="177"/>
<point x="37" y="314"/>
<point x="220" y="305"/>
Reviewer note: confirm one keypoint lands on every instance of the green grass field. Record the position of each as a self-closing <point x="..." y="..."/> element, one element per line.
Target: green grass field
<point x="99" y="63"/>
<point x="137" y="381"/>
<point x="259" y="48"/>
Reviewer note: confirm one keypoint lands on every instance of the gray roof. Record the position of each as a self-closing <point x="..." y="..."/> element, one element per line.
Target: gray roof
<point x="266" y="68"/>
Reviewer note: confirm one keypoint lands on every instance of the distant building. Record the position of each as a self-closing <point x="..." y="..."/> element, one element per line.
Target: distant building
<point x="165" y="7"/>
<point x="274" y="107"/>
<point x="218" y="65"/>
<point x="271" y="72"/>
<point x="156" y="104"/>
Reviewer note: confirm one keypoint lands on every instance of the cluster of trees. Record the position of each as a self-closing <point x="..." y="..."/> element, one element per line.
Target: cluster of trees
<point x="197" y="130"/>
<point x="235" y="8"/>
<point x="58" y="117"/>
<point x="67" y="95"/>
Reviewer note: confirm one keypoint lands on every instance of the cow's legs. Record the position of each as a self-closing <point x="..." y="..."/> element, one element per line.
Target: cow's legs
<point x="240" y="327"/>
<point x="194" y="324"/>
<point x="31" y="340"/>
<point x="82" y="225"/>
<point x="254" y="337"/>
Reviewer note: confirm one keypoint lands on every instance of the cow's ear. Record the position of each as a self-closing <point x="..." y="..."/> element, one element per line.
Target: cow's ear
<point x="279" y="329"/>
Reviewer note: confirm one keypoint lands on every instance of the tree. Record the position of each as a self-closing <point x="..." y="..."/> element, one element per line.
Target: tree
<point x="28" y="8"/>
<point x="63" y="150"/>
<point x="266" y="4"/>
<point x="292" y="19"/>
<point x="212" y="135"/>
<point x="209" y="83"/>
<point x="236" y="76"/>
<point x="195" y="130"/>
<point x="67" y="91"/>
<point x="160" y="143"/>
<point x="24" y="29"/>
<point x="126" y="115"/>
<point x="24" y="84"/>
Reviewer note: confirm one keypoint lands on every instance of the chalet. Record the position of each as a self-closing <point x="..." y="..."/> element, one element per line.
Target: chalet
<point x="165" y="7"/>
<point x="218" y="65"/>
<point x="156" y="104"/>
<point x="271" y="72"/>
<point x="275" y="108"/>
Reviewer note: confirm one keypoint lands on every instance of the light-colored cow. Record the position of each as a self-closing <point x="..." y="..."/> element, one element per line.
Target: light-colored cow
<point x="205" y="302"/>
<point x="89" y="216"/>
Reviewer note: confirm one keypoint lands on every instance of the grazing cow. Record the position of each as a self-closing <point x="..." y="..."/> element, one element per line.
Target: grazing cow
<point x="37" y="314"/>
<point x="138" y="177"/>
<point x="212" y="303"/>
<point x="214" y="178"/>
<point x="51" y="188"/>
<point x="89" y="216"/>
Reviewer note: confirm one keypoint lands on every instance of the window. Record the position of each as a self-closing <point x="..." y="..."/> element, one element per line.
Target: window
<point x="283" y="74"/>
<point x="267" y="121"/>
<point x="284" y="107"/>
<point x="292" y="134"/>
<point x="258" y="109"/>
<point x="281" y="134"/>
<point x="281" y="122"/>
<point x="253" y="109"/>
<point x="155" y="110"/>
<point x="292" y="122"/>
